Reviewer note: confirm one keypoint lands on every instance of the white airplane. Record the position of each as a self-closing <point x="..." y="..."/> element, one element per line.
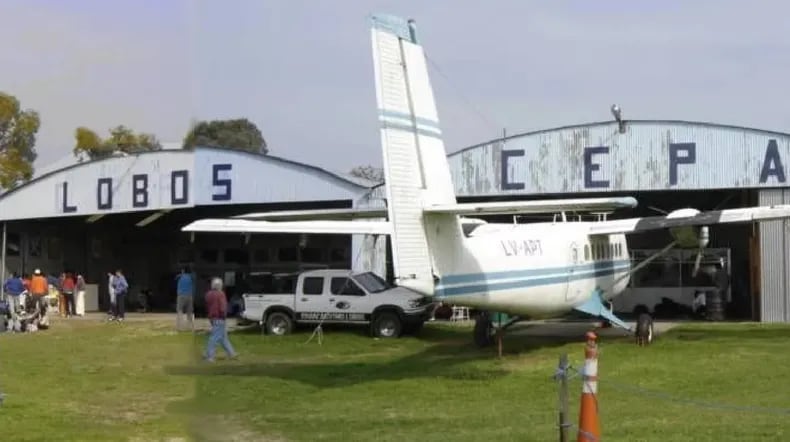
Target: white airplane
<point x="529" y="271"/>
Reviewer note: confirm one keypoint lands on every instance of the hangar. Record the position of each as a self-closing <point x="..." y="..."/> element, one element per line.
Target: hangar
<point x="126" y="212"/>
<point x="666" y="165"/>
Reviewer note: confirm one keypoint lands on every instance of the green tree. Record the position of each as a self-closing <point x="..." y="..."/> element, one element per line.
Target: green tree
<point x="18" y="129"/>
<point x="121" y="139"/>
<point x="237" y="134"/>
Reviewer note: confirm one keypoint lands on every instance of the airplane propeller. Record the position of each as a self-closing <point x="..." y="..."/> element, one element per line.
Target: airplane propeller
<point x="691" y="236"/>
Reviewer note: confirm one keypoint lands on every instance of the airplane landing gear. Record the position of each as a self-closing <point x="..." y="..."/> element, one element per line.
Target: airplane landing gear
<point x="487" y="334"/>
<point x="644" y="330"/>
<point x="483" y="328"/>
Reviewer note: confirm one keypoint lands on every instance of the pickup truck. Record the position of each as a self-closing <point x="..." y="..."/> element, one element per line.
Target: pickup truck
<point x="338" y="296"/>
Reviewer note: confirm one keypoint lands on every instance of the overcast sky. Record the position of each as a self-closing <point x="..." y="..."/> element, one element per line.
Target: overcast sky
<point x="302" y="70"/>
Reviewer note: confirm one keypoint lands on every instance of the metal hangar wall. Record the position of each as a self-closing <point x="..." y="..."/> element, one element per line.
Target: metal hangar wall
<point x="647" y="159"/>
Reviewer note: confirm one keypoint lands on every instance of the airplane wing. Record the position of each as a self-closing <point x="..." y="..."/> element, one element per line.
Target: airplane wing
<point x="726" y="216"/>
<point x="216" y="225"/>
<point x="544" y="206"/>
<point x="315" y="215"/>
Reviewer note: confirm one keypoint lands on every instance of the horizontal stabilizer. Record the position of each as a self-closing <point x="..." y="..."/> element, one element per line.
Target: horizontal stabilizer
<point x="326" y="227"/>
<point x="726" y="216"/>
<point x="314" y="215"/>
<point x="544" y="206"/>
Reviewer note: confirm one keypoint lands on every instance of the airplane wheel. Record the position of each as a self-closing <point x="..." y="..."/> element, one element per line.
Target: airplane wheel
<point x="644" y="330"/>
<point x="482" y="332"/>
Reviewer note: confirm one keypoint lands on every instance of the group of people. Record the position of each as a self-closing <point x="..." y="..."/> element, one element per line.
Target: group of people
<point x="26" y="296"/>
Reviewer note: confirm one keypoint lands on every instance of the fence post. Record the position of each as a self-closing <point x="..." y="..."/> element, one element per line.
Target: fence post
<point x="563" y="375"/>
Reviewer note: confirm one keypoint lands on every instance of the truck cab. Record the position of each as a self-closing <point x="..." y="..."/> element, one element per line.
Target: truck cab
<point x="337" y="296"/>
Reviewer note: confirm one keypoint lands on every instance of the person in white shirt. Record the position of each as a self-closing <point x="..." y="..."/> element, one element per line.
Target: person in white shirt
<point x="110" y="277"/>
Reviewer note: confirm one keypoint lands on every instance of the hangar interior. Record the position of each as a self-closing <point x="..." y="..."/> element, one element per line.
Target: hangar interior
<point x="152" y="255"/>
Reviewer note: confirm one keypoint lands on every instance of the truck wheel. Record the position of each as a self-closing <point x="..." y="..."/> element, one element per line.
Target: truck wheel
<point x="387" y="325"/>
<point x="279" y="324"/>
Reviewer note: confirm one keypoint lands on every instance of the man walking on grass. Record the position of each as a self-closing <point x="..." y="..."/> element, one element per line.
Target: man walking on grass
<point x="120" y="288"/>
<point x="185" y="299"/>
<point x="217" y="307"/>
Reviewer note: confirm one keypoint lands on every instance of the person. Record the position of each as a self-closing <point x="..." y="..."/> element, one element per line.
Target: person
<point x="185" y="302"/>
<point x="14" y="288"/>
<point x="79" y="298"/>
<point x="120" y="288"/>
<point x="111" y="291"/>
<point x="67" y="285"/>
<point x="217" y="307"/>
<point x="39" y="288"/>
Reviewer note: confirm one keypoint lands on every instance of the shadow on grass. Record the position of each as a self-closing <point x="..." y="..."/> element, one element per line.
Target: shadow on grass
<point x="451" y="355"/>
<point x="701" y="331"/>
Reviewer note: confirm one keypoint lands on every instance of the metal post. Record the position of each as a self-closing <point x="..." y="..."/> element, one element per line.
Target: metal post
<point x="563" y="375"/>
<point x="2" y="265"/>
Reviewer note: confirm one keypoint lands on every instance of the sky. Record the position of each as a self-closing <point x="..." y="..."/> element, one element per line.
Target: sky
<point x="302" y="70"/>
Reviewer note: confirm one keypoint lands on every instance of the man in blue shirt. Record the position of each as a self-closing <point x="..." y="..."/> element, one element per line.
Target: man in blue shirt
<point x="13" y="287"/>
<point x="185" y="300"/>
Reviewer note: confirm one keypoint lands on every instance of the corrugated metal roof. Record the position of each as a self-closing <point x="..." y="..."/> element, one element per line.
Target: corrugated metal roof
<point x="650" y="155"/>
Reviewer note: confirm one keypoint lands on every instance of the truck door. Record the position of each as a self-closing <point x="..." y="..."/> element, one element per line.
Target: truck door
<point x="311" y="302"/>
<point x="347" y="301"/>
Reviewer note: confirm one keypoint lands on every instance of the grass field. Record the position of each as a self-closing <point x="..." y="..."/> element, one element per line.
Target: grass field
<point x="86" y="380"/>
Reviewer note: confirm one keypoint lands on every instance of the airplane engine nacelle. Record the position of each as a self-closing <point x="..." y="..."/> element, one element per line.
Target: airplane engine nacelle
<point x="689" y="236"/>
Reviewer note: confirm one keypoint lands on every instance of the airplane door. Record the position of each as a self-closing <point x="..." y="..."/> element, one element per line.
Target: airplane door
<point x="572" y="289"/>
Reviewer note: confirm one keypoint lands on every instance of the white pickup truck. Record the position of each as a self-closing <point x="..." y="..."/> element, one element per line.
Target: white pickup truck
<point x="338" y="296"/>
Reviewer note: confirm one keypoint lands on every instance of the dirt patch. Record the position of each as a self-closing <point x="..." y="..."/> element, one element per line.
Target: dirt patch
<point x="225" y="428"/>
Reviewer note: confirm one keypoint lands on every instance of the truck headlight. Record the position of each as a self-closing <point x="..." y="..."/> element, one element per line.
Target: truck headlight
<point x="414" y="303"/>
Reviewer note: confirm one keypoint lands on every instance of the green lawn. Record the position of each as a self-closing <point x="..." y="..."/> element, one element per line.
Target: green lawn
<point x="85" y="380"/>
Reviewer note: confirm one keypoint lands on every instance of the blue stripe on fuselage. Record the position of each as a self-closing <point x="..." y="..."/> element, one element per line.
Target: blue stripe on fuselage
<point x="542" y="271"/>
<point x="486" y="282"/>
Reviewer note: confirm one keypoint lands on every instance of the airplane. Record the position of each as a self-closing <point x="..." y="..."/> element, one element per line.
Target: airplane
<point x="530" y="271"/>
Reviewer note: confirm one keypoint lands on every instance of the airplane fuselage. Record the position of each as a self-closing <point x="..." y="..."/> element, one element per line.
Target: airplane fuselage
<point x="537" y="270"/>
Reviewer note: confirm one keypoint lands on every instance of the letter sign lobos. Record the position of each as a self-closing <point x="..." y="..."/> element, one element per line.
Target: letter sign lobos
<point x="141" y="194"/>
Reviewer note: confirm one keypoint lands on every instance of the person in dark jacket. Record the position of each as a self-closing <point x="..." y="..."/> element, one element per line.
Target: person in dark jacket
<point x="217" y="308"/>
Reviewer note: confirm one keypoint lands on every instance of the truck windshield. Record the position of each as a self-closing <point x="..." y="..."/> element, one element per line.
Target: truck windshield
<point x="372" y="282"/>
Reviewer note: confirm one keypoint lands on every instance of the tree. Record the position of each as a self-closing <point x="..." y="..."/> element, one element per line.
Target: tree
<point x="121" y="139"/>
<point x="18" y="129"/>
<point x="237" y="134"/>
<point x="371" y="173"/>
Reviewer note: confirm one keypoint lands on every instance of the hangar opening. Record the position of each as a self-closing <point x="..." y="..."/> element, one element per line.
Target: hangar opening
<point x="735" y="247"/>
<point x="102" y="219"/>
<point x="151" y="255"/>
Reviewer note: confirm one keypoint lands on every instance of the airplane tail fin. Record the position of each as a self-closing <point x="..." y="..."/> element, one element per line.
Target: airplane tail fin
<point x="417" y="174"/>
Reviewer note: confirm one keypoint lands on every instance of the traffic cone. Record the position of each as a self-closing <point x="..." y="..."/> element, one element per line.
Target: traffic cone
<point x="589" y="426"/>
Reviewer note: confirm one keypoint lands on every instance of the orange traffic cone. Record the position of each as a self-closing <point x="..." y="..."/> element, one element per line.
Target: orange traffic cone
<point x="589" y="426"/>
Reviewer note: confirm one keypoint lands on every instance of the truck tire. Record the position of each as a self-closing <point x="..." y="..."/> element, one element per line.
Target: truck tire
<point x="387" y="325"/>
<point x="278" y="324"/>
